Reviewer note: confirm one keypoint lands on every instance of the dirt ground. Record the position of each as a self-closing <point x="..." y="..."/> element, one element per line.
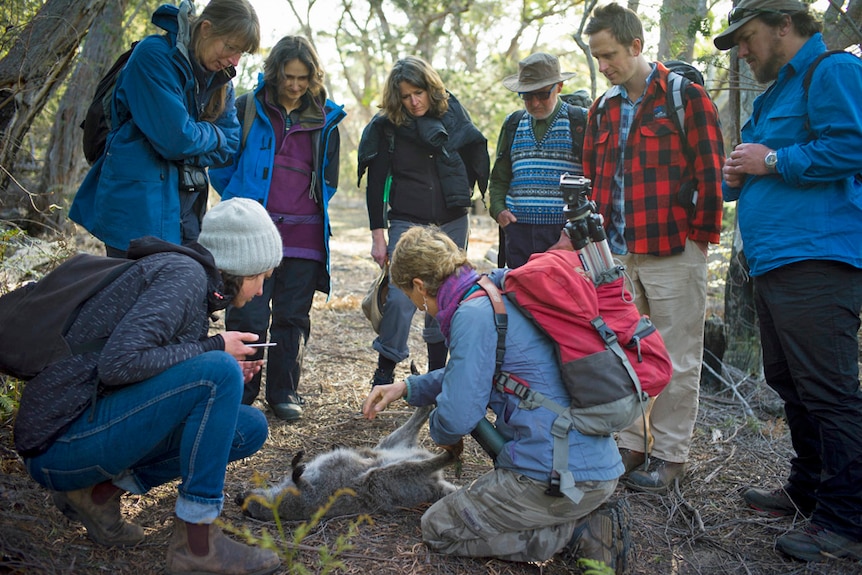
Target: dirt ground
<point x="700" y="528"/>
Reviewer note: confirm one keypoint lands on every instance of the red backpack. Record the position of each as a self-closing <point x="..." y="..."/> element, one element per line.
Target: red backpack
<point x="612" y="358"/>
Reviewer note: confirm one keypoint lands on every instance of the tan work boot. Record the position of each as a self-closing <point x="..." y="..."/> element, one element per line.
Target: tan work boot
<point x="224" y="556"/>
<point x="104" y="523"/>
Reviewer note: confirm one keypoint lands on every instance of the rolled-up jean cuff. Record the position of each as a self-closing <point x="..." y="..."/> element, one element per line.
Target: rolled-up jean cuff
<point x="202" y="511"/>
<point x="129" y="483"/>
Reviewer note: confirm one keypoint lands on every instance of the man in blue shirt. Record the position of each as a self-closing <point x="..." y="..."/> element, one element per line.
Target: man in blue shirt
<point x="796" y="179"/>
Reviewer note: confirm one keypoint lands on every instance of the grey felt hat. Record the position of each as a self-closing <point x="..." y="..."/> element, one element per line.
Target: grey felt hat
<point x="748" y="10"/>
<point x="536" y="71"/>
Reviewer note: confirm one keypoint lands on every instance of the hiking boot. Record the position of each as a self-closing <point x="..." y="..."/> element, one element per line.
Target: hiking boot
<point x="660" y="476"/>
<point x="224" y="555"/>
<point x="383" y="376"/>
<point x="815" y="543"/>
<point x="631" y="459"/>
<point x="104" y="523"/>
<point x="776" y="502"/>
<point x="604" y="536"/>
<point x="290" y="410"/>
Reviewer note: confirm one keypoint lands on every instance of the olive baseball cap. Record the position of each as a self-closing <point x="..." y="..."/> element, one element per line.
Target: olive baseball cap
<point x="748" y="10"/>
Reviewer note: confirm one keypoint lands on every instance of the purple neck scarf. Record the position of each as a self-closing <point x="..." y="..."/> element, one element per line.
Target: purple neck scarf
<point x="450" y="294"/>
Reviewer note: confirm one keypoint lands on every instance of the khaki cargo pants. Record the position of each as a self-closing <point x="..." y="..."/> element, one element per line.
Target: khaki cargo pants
<point x="507" y="515"/>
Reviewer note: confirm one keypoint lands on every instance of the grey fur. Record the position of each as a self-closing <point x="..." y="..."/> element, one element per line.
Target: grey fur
<point x="396" y="473"/>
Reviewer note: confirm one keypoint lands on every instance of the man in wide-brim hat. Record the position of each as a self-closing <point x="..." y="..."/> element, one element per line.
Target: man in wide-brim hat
<point x="537" y="145"/>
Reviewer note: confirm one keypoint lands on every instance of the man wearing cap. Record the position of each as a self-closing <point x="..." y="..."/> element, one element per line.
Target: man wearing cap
<point x="640" y="166"/>
<point x="798" y="189"/>
<point x="534" y="149"/>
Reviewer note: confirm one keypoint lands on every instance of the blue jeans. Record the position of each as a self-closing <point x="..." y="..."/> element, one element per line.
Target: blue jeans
<point x="809" y="320"/>
<point x="291" y="291"/>
<point x="186" y="422"/>
<point x="399" y="310"/>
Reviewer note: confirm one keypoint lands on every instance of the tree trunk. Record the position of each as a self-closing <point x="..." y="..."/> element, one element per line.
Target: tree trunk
<point x="35" y="66"/>
<point x="679" y="22"/>
<point x="841" y="26"/>
<point x="743" y="339"/>
<point x="64" y="162"/>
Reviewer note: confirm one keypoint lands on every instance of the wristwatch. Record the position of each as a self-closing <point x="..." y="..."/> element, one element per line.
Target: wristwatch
<point x="771" y="161"/>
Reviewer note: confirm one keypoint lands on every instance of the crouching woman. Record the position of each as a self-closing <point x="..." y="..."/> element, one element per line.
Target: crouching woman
<point x="506" y="512"/>
<point x="161" y="400"/>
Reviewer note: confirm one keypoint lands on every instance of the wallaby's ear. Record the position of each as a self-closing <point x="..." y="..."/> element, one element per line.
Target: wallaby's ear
<point x="297" y="458"/>
<point x="298" y="468"/>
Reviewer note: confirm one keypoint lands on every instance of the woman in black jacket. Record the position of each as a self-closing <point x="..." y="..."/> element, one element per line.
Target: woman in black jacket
<point x="424" y="155"/>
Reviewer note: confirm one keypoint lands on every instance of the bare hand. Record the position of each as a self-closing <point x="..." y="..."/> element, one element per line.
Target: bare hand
<point x="745" y="160"/>
<point x="379" y="251"/>
<point x="505" y="218"/>
<point x="455" y="450"/>
<point x="250" y="368"/>
<point x="381" y="396"/>
<point x="235" y="343"/>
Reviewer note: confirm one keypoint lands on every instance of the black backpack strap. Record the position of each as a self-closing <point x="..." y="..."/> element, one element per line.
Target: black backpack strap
<point x="809" y="77"/>
<point x="577" y="127"/>
<point x="511" y="125"/>
<point x="246" y="109"/>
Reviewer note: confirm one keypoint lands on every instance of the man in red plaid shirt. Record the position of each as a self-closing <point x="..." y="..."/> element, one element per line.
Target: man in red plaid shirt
<point x="659" y="191"/>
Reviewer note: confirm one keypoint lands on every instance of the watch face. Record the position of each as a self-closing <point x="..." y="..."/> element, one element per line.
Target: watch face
<point x="771" y="159"/>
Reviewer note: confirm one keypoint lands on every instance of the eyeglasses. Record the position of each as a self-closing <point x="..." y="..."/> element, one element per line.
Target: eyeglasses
<point x="540" y="96"/>
<point x="738" y="14"/>
<point x="229" y="50"/>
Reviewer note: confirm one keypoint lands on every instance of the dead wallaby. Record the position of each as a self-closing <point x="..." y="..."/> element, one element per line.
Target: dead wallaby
<point x="396" y="473"/>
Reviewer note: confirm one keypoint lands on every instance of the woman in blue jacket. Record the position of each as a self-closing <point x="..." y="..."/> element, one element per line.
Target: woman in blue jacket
<point x="289" y="163"/>
<point x="172" y="113"/>
<point x="506" y="513"/>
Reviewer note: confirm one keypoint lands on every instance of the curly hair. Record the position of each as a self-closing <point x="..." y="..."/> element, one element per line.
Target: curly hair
<point x="417" y="72"/>
<point x="293" y="48"/>
<point x="805" y="22"/>
<point x="426" y="253"/>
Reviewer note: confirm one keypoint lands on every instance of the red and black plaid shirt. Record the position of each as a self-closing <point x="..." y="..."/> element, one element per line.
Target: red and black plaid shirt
<point x="656" y="168"/>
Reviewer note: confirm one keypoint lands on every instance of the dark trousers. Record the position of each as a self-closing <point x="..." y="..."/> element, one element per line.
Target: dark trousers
<point x="524" y="240"/>
<point x="809" y="319"/>
<point x="291" y="292"/>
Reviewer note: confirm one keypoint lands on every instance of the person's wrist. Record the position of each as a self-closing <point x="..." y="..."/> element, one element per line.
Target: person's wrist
<point x="771" y="161"/>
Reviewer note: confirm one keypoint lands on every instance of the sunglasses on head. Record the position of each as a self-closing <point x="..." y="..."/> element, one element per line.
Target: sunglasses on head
<point x="540" y="96"/>
<point x="738" y="14"/>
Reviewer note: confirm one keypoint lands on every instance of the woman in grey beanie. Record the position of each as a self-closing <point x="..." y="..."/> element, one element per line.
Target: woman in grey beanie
<point x="162" y="399"/>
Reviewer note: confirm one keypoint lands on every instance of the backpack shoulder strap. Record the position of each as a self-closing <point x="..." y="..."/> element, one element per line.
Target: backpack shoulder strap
<point x="246" y="106"/>
<point x="511" y="125"/>
<point x="577" y="127"/>
<point x="809" y="74"/>
<point x="501" y="321"/>
<point x="676" y="85"/>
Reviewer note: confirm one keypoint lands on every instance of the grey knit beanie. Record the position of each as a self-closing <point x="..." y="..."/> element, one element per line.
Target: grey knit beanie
<point x="241" y="237"/>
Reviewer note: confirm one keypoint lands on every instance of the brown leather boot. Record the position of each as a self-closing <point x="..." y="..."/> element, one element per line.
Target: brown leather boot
<point x="104" y="523"/>
<point x="222" y="556"/>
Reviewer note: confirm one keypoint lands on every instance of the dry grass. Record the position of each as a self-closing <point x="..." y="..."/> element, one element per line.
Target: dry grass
<point x="700" y="528"/>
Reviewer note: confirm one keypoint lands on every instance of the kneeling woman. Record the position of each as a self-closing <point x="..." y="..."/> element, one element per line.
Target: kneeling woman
<point x="505" y="513"/>
<point x="161" y="400"/>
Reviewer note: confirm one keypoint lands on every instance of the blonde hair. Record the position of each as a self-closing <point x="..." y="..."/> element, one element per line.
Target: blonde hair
<point x="426" y="253"/>
<point x="234" y="19"/>
<point x="417" y="72"/>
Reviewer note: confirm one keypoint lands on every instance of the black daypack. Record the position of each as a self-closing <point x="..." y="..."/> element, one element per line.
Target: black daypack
<point x="97" y="122"/>
<point x="35" y="317"/>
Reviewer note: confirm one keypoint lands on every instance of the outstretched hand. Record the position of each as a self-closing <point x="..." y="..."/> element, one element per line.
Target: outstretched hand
<point x="381" y="396"/>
